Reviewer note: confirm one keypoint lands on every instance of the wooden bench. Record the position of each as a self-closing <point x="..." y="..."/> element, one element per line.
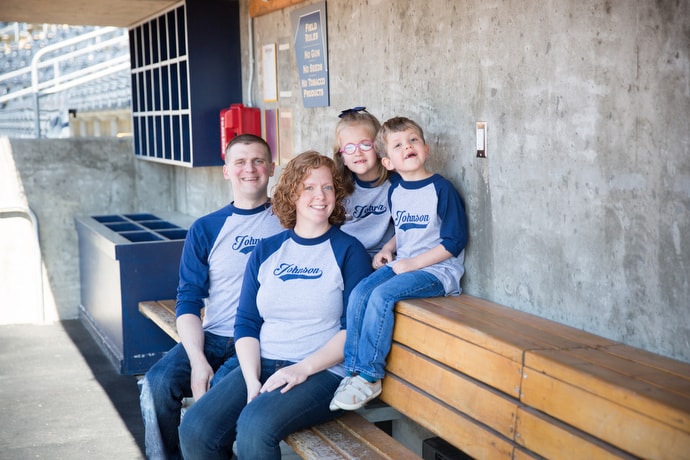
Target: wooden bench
<point x="349" y="437"/>
<point x="499" y="383"/>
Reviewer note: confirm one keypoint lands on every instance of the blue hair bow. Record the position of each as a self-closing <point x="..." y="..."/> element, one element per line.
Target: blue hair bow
<point x="352" y="111"/>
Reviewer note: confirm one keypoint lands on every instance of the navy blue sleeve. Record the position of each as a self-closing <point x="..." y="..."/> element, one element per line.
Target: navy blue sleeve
<point x="355" y="265"/>
<point x="194" y="267"/>
<point x="451" y="211"/>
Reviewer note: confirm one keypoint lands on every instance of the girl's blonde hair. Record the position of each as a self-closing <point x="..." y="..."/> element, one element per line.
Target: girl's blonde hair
<point x="290" y="183"/>
<point x="372" y="125"/>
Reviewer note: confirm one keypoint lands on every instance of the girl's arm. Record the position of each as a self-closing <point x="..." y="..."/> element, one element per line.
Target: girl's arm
<point x="385" y="255"/>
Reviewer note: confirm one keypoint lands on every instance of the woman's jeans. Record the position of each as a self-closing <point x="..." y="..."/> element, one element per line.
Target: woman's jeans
<point x="165" y="385"/>
<point x="222" y="415"/>
<point x="370" y="317"/>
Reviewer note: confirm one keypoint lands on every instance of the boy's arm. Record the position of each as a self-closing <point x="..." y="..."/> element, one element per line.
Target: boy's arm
<point x="453" y="232"/>
<point x="433" y="256"/>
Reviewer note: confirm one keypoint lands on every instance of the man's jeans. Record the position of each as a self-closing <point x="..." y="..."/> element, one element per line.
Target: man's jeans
<point x="164" y="387"/>
<point x="370" y="317"/>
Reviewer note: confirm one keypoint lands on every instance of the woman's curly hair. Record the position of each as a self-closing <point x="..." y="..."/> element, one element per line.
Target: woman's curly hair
<point x="291" y="182"/>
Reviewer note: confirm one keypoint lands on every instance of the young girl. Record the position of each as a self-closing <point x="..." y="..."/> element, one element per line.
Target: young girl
<point x="365" y="180"/>
<point x="289" y="331"/>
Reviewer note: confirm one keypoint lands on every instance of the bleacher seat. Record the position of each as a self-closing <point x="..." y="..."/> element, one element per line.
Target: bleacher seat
<point x="19" y="43"/>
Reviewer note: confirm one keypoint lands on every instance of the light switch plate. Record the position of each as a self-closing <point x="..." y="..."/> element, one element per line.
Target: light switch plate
<point x="481" y="139"/>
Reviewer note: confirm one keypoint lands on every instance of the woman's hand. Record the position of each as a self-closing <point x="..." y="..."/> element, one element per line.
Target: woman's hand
<point x="287" y="377"/>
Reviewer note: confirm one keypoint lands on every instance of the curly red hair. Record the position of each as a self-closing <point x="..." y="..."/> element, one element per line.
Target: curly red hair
<point x="290" y="184"/>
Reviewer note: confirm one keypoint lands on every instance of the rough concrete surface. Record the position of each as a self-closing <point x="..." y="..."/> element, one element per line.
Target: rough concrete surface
<point x="60" y="397"/>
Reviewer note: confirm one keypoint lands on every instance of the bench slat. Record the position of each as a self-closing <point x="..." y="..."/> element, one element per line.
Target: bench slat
<point x="483" y="364"/>
<point x="495" y="313"/>
<point x="667" y="365"/>
<point x="551" y="439"/>
<point x="472" y="398"/>
<point x="640" y="387"/>
<point x="162" y="313"/>
<point x="519" y="330"/>
<point x="348" y="437"/>
<point x="310" y="446"/>
<point x="456" y="428"/>
<point x="618" y="425"/>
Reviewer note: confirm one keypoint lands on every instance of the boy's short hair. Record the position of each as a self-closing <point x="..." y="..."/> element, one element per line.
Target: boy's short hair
<point x="395" y="125"/>
<point x="248" y="139"/>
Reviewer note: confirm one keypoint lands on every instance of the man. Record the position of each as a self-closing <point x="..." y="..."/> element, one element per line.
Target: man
<point x="211" y="269"/>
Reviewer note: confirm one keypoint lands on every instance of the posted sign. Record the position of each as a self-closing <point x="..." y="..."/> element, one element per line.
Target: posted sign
<point x="309" y="25"/>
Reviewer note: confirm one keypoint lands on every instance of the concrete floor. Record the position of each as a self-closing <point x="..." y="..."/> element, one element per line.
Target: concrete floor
<point x="60" y="397"/>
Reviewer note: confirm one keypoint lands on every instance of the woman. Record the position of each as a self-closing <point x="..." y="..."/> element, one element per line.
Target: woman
<point x="289" y="332"/>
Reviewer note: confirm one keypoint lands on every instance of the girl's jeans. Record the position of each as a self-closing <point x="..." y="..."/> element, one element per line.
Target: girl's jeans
<point x="222" y="415"/>
<point x="165" y="385"/>
<point x="370" y="317"/>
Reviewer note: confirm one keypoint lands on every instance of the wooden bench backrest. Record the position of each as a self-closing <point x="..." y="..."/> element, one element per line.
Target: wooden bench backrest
<point x="496" y="382"/>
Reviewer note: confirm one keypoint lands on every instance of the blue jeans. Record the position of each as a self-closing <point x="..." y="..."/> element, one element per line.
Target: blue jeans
<point x="165" y="385"/>
<point x="222" y="415"/>
<point x="370" y="317"/>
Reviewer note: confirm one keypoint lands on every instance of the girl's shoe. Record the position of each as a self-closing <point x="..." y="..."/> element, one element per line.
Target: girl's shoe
<point x="354" y="392"/>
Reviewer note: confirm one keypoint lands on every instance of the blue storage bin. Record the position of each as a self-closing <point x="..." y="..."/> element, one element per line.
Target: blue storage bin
<point x="124" y="259"/>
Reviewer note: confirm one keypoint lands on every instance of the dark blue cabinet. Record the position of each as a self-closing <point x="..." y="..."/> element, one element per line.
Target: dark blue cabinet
<point x="124" y="259"/>
<point x="186" y="68"/>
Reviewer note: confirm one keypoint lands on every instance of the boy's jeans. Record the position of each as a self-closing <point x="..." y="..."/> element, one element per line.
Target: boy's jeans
<point x="163" y="388"/>
<point x="370" y="317"/>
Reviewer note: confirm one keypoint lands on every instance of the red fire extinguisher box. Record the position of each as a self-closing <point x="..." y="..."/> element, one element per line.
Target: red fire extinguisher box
<point x="236" y="120"/>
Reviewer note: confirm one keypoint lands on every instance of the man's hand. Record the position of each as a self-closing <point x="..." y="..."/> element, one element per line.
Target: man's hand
<point x="200" y="379"/>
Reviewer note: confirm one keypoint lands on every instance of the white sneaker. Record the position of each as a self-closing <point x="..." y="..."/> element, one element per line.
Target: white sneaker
<point x="354" y="392"/>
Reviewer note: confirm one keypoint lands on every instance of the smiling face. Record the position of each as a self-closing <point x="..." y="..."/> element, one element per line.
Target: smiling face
<point x="315" y="203"/>
<point x="248" y="169"/>
<point x="406" y="153"/>
<point x="362" y="163"/>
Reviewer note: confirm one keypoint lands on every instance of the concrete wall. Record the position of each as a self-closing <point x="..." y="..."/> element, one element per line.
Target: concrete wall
<point x="580" y="213"/>
<point x="59" y="180"/>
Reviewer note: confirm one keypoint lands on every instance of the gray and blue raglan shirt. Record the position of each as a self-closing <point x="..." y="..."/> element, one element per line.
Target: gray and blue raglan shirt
<point x="213" y="260"/>
<point x="295" y="292"/>
<point x="427" y="213"/>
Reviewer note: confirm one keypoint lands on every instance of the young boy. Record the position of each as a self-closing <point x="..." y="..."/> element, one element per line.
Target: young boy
<point x="211" y="270"/>
<point x="425" y="258"/>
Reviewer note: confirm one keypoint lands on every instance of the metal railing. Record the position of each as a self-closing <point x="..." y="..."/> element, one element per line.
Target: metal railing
<point x="55" y="74"/>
